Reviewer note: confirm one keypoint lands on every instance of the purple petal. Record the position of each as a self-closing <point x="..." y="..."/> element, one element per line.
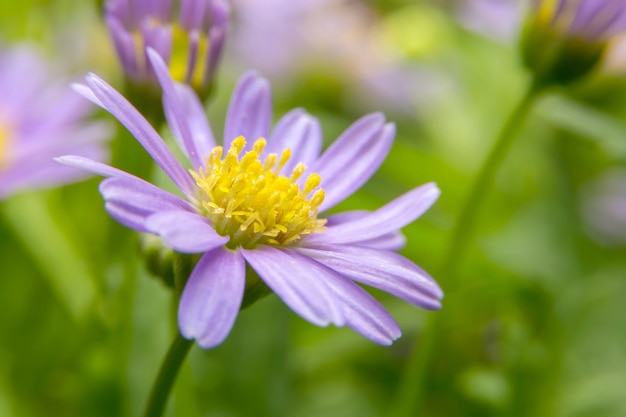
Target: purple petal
<point x="185" y="114"/>
<point x="250" y="110"/>
<point x="598" y="18"/>
<point x="218" y="38"/>
<point x="131" y="201"/>
<point x="95" y="167"/>
<point x="125" y="46"/>
<point x="119" y="107"/>
<point x="363" y="313"/>
<point x="297" y="280"/>
<point x="392" y="241"/>
<point x="193" y="13"/>
<point x="184" y="231"/>
<point x="212" y="297"/>
<point x="196" y="118"/>
<point x="86" y="92"/>
<point x="390" y="218"/>
<point x="387" y="271"/>
<point x="299" y="132"/>
<point x="41" y="171"/>
<point x="353" y="158"/>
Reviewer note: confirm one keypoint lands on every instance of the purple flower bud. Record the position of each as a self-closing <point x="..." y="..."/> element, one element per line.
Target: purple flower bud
<point x="188" y="34"/>
<point x="564" y="40"/>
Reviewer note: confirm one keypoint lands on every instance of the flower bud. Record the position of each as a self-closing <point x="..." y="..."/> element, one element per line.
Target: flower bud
<point x="564" y="40"/>
<point x="188" y="34"/>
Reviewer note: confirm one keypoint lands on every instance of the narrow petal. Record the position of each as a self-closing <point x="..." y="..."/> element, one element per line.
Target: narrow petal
<point x="297" y="281"/>
<point x="387" y="271"/>
<point x="86" y="92"/>
<point x="131" y="201"/>
<point x="389" y="218"/>
<point x="392" y="241"/>
<point x="40" y="170"/>
<point x="94" y="167"/>
<point x="185" y="114"/>
<point x="363" y="313"/>
<point x="353" y="158"/>
<point x="212" y="297"/>
<point x="119" y="107"/>
<point x="184" y="231"/>
<point x="201" y="133"/>
<point x="250" y="110"/>
<point x="302" y="134"/>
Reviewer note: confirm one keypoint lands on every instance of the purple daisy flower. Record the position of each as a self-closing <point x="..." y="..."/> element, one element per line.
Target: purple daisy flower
<point x="258" y="202"/>
<point x="188" y="34"/>
<point x="40" y="118"/>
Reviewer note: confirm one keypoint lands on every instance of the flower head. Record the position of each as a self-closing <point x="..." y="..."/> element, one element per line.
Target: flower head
<point x="188" y="34"/>
<point x="40" y="118"/>
<point x="565" y="39"/>
<point x="257" y="199"/>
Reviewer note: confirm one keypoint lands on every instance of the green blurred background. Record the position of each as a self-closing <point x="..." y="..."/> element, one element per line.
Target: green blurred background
<point x="534" y="323"/>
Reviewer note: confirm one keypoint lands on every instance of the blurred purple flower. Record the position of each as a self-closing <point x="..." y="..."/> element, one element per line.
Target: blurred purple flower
<point x="239" y="208"/>
<point x="344" y="38"/>
<point x="188" y="34"/>
<point x="40" y="118"/>
<point x="498" y="19"/>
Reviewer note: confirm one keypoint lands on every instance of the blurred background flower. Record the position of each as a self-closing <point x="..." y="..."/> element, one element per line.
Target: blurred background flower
<point x="41" y="118"/>
<point x="188" y="34"/>
<point x="345" y="40"/>
<point x="498" y="19"/>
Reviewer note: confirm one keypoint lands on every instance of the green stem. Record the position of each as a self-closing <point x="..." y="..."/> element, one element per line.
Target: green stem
<point x="167" y="375"/>
<point x="410" y="393"/>
<point x="183" y="266"/>
<point x="464" y="227"/>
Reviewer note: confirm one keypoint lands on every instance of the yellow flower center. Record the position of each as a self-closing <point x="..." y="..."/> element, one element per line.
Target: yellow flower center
<point x="250" y="201"/>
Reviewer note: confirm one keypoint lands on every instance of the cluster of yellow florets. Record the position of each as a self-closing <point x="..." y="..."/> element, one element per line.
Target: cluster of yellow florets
<point x="250" y="201"/>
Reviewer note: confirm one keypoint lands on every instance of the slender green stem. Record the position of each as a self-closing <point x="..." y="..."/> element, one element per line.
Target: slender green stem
<point x="167" y="375"/>
<point x="464" y="227"/>
<point x="411" y="389"/>
<point x="183" y="266"/>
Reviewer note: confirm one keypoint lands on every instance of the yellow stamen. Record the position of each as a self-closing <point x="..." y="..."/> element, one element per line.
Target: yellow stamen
<point x="250" y="201"/>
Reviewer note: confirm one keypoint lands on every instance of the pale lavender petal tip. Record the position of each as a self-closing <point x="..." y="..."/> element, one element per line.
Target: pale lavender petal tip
<point x="390" y="218"/>
<point x="86" y="92"/>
